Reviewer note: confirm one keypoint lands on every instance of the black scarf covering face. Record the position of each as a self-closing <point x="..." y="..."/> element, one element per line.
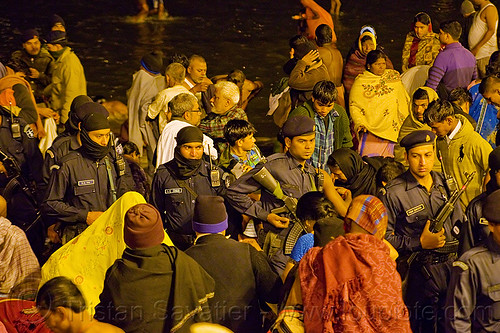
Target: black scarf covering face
<point x="183" y="167"/>
<point x="91" y="149"/>
<point x="360" y="175"/>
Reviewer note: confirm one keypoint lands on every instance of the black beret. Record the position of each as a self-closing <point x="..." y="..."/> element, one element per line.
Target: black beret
<point x="418" y="138"/>
<point x="298" y="125"/>
<point x="491" y="207"/>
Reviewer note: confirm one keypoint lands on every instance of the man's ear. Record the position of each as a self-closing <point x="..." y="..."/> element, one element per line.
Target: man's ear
<point x="406" y="156"/>
<point x="239" y="143"/>
<point x="187" y="115"/>
<point x="288" y="142"/>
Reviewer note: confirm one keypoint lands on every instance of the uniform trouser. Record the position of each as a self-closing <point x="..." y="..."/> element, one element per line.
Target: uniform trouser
<point x="426" y="295"/>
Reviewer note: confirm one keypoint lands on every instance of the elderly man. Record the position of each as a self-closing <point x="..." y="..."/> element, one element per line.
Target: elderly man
<point x="68" y="77"/>
<point x="174" y="77"/>
<point x="184" y="111"/>
<point x="39" y="61"/>
<point x="224" y="108"/>
<point x="177" y="183"/>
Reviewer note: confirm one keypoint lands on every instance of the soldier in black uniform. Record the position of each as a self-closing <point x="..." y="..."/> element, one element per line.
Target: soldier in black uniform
<point x="87" y="181"/>
<point x="296" y="177"/>
<point x="69" y="140"/>
<point x="473" y="302"/>
<point x="20" y="176"/>
<point x="479" y="229"/>
<point x="177" y="183"/>
<point x="412" y="200"/>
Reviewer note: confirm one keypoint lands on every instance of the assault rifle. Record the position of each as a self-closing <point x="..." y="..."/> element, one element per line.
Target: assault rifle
<point x="436" y="226"/>
<point x="264" y="178"/>
<point x="446" y="210"/>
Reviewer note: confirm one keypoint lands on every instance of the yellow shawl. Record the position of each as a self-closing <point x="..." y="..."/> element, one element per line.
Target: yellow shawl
<point x="379" y="103"/>
<point x="87" y="257"/>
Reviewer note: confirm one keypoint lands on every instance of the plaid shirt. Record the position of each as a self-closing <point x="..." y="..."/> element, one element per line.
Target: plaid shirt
<point x="213" y="124"/>
<point x="325" y="139"/>
<point x="252" y="159"/>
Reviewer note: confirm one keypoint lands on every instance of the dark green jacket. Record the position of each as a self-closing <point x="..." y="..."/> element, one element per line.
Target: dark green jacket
<point x="342" y="132"/>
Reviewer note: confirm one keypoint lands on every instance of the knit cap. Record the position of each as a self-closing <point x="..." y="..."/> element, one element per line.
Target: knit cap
<point x="143" y="227"/>
<point x="210" y="215"/>
<point x="29" y="34"/>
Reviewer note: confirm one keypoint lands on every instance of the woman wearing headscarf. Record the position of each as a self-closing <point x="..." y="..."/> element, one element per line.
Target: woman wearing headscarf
<point x="422" y="44"/>
<point x="351" y="285"/>
<point x="356" y="173"/>
<point x="378" y="106"/>
<point x="356" y="58"/>
<point x="420" y="99"/>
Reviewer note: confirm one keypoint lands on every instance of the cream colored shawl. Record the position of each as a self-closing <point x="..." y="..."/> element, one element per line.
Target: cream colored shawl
<point x="379" y="103"/>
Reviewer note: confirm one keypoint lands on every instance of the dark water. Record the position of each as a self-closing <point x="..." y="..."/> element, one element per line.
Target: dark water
<point x="250" y="35"/>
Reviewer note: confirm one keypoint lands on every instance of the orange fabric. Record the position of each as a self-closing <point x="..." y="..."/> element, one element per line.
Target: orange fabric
<point x="7" y="97"/>
<point x="316" y="15"/>
<point x="351" y="285"/>
<point x="14" y="316"/>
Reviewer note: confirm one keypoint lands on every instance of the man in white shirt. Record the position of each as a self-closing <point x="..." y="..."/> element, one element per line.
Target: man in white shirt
<point x="174" y="77"/>
<point x="185" y="112"/>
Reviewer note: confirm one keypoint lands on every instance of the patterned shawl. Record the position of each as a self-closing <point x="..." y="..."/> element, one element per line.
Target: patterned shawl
<point x="363" y="296"/>
<point x="379" y="103"/>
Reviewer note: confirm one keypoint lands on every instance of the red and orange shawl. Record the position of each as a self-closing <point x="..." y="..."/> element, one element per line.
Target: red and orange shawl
<point x="351" y="285"/>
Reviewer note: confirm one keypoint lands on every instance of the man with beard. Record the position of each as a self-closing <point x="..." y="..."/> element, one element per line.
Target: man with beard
<point x="38" y="60"/>
<point x="177" y="183"/>
<point x="87" y="181"/>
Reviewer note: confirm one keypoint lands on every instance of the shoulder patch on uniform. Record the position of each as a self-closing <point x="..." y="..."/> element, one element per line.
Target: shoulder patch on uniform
<point x="177" y="190"/>
<point x="483" y="221"/>
<point x="494" y="288"/>
<point x="460" y="264"/>
<point x="29" y="132"/>
<point x="415" y="210"/>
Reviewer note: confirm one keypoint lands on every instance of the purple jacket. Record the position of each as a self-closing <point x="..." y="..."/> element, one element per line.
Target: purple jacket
<point x="455" y="66"/>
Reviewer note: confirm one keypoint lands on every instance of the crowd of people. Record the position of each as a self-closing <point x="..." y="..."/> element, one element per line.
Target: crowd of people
<point x="378" y="212"/>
